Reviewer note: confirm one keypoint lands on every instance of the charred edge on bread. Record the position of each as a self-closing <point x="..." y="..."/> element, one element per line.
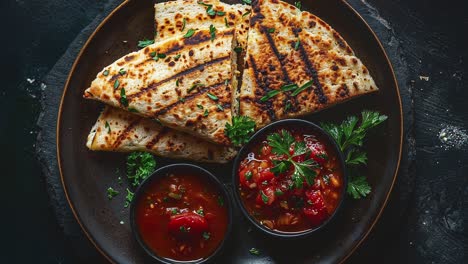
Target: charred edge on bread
<point x="156" y="138"/>
<point x="187" y="98"/>
<point x="311" y="71"/>
<point x="268" y="105"/>
<point x="124" y="133"/>
<point x="153" y="86"/>
<point x="286" y="79"/>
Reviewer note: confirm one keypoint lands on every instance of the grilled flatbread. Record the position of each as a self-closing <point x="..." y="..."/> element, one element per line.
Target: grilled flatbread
<point x="121" y="131"/>
<point x="185" y="82"/>
<point x="289" y="46"/>
<point x="170" y="16"/>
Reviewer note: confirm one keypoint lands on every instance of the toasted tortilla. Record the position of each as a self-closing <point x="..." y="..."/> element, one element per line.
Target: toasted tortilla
<point x="120" y="131"/>
<point x="170" y="16"/>
<point x="188" y="87"/>
<point x="290" y="46"/>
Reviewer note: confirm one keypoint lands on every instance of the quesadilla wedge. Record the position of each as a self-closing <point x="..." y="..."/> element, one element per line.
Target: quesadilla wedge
<point x="296" y="64"/>
<point x="185" y="82"/>
<point x="121" y="131"/>
<point x="173" y="18"/>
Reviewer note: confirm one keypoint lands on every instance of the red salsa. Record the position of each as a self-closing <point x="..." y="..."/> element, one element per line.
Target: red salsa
<point x="182" y="217"/>
<point x="291" y="181"/>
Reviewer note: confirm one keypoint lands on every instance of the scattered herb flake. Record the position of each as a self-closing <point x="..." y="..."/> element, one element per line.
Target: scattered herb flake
<point x="254" y="251"/>
<point x="128" y="198"/>
<point x="296" y="45"/>
<point x="177" y="82"/>
<point x="184" y="22"/>
<point x="298" y="4"/>
<point x="220" y="13"/>
<point x="212" y="96"/>
<point x="133" y="110"/>
<point x="139" y="166"/>
<point x="205" y="113"/>
<point x="200" y="106"/>
<point x="248" y="2"/>
<point x="212" y="32"/>
<point x="278" y="192"/>
<point x="226" y="22"/>
<point x="302" y="88"/>
<point x="123" y="97"/>
<point x="241" y="129"/>
<point x="189" y="33"/>
<point x="111" y="193"/>
<point x="194" y="85"/>
<point x="105" y="73"/>
<point x="246" y="14"/>
<point x="174" y="211"/>
<point x="116" y="84"/>
<point x="200" y="212"/>
<point x="122" y="71"/>
<point x="220" y="107"/>
<point x="220" y="201"/>
<point x="248" y="175"/>
<point x="264" y="197"/>
<point x="238" y="49"/>
<point x="271" y="30"/>
<point x="144" y="43"/>
<point x="182" y="99"/>
<point x="206" y="235"/>
<point x="108" y="127"/>
<point x="177" y="56"/>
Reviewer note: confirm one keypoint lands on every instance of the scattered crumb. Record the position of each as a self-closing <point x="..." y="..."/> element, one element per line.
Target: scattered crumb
<point x="122" y="222"/>
<point x="31" y="81"/>
<point x="453" y="137"/>
<point x="424" y="78"/>
<point x="124" y="41"/>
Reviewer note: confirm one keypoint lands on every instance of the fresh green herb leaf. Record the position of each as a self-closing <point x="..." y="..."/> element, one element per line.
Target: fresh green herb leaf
<point x="288" y="106"/>
<point x="264" y="197"/>
<point x="271" y="30"/>
<point x="238" y="49"/>
<point x="189" y="33"/>
<point x="298" y="4"/>
<point x="184" y="22"/>
<point x="204" y="4"/>
<point x="220" y="13"/>
<point x="108" y="127"/>
<point x="289" y="87"/>
<point x="280" y="167"/>
<point x="241" y="129"/>
<point x="220" y="201"/>
<point x="119" y="180"/>
<point x="212" y="32"/>
<point x="296" y="45"/>
<point x="181" y="99"/>
<point x="195" y="85"/>
<point x="212" y="96"/>
<point x="248" y="2"/>
<point x="176" y="57"/>
<point x="254" y="251"/>
<point x="111" y="193"/>
<point x="122" y="71"/>
<point x="128" y="198"/>
<point x="200" y="212"/>
<point x="161" y="55"/>
<point x="280" y="142"/>
<point x="210" y="11"/>
<point x="226" y="22"/>
<point x="302" y="88"/>
<point x="139" y="166"/>
<point x="326" y="179"/>
<point x="358" y="187"/>
<point x="133" y="110"/>
<point x="144" y="43"/>
<point x="206" y="235"/>
<point x="177" y="82"/>
<point x="278" y="192"/>
<point x="270" y="94"/>
<point x="205" y="113"/>
<point x="246" y="14"/>
<point x="356" y="157"/>
<point x="153" y="54"/>
<point x="200" y="106"/>
<point x="183" y="229"/>
<point x="123" y="97"/>
<point x="105" y="73"/>
<point x="220" y="107"/>
<point x="116" y="84"/>
<point x="226" y="82"/>
<point x="174" y="211"/>
<point x="248" y="175"/>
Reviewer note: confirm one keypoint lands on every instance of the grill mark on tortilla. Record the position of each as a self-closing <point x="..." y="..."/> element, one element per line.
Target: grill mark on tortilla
<point x="187" y="98"/>
<point x="268" y="105"/>
<point x="124" y="133"/>
<point x="156" y="138"/>
<point x="198" y="67"/>
<point x="311" y="71"/>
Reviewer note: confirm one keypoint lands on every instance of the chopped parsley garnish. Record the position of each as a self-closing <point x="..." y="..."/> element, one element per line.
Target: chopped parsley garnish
<point x="184" y="22"/>
<point x="177" y="56"/>
<point x="241" y="129"/>
<point x="212" y="32"/>
<point x="156" y="56"/>
<point x="122" y="71"/>
<point x="111" y="193"/>
<point x="128" y="198"/>
<point x="271" y="30"/>
<point x="238" y="49"/>
<point x="119" y="180"/>
<point x="220" y="107"/>
<point x="248" y="175"/>
<point x="264" y="197"/>
<point x="177" y="82"/>
<point x="189" y="33"/>
<point x="105" y="73"/>
<point x="123" y="97"/>
<point x="220" y="201"/>
<point x="298" y="4"/>
<point x="296" y="45"/>
<point x="116" y="84"/>
<point x="212" y="96"/>
<point x="108" y="127"/>
<point x="206" y="235"/>
<point x="153" y="54"/>
<point x="248" y="2"/>
<point x="183" y="229"/>
<point x="350" y="138"/>
<point x="226" y="22"/>
<point x="200" y="106"/>
<point x="174" y="211"/>
<point x="205" y="113"/>
<point x="323" y="156"/>
<point x="140" y="165"/>
<point x="246" y="14"/>
<point x="144" y="43"/>
<point x="281" y="143"/>
<point x="195" y="85"/>
<point x="220" y="13"/>
<point x="254" y="251"/>
<point x="200" y="212"/>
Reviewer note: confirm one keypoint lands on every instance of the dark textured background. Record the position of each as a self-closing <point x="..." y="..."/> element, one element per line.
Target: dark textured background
<point x="426" y="220"/>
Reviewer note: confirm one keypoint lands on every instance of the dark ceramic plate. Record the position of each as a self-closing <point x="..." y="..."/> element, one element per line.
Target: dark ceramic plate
<point x="86" y="175"/>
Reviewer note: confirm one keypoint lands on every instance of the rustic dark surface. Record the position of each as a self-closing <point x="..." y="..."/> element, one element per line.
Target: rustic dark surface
<point x="425" y="220"/>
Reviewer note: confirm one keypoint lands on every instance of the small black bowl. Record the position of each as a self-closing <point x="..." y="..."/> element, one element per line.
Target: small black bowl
<point x="182" y="168"/>
<point x="286" y="123"/>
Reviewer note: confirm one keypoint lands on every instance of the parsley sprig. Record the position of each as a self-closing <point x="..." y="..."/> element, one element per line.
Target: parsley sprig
<point x="139" y="166"/>
<point x="350" y="135"/>
<point x="241" y="129"/>
<point x="280" y="144"/>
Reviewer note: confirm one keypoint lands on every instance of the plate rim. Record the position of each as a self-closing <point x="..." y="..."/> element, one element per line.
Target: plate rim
<point x="124" y="3"/>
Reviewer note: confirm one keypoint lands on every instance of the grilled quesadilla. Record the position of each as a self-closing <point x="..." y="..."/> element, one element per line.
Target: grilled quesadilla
<point x="121" y="131"/>
<point x="185" y="82"/>
<point x="173" y="18"/>
<point x="296" y="64"/>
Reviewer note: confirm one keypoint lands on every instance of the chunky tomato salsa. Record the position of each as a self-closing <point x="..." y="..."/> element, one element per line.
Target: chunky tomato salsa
<point x="182" y="217"/>
<point x="291" y="181"/>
